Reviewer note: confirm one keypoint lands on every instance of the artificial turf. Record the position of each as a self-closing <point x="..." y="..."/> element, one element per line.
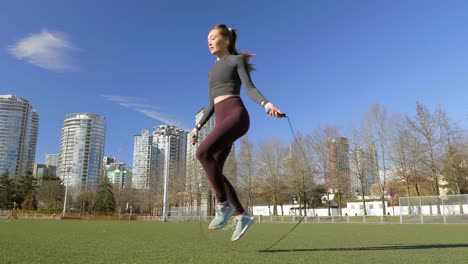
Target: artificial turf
<point x="81" y="241"/>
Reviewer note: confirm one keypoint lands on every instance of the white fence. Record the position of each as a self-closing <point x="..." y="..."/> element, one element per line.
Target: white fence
<point x="425" y="209"/>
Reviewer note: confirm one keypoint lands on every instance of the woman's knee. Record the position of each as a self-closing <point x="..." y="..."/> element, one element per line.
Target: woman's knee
<point x="201" y="154"/>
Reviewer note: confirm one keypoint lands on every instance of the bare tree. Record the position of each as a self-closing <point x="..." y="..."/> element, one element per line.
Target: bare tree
<point x="361" y="162"/>
<point x="270" y="162"/>
<point x="51" y="192"/>
<point x="425" y="127"/>
<point x="246" y="171"/>
<point x="125" y="198"/>
<point x="196" y="182"/>
<point x="405" y="154"/>
<point x="86" y="200"/>
<point x="320" y="138"/>
<point x="176" y="186"/>
<point x="452" y="169"/>
<point x="375" y="128"/>
<point x="299" y="172"/>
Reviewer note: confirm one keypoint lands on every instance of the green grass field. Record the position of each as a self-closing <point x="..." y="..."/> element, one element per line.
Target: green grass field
<point x="80" y="241"/>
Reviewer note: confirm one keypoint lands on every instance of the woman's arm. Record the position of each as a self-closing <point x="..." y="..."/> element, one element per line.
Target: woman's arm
<point x="252" y="91"/>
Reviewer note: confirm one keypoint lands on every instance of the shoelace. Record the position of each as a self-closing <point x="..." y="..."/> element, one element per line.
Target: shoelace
<point x="218" y="210"/>
<point x="231" y="226"/>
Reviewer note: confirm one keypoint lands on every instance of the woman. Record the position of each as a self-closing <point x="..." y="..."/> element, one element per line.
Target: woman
<point x="230" y="70"/>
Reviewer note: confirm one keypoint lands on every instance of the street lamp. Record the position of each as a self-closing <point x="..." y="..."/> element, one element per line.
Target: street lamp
<point x="66" y="192"/>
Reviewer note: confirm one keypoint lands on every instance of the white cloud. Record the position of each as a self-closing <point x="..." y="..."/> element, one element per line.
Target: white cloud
<point x="138" y="104"/>
<point x="48" y="50"/>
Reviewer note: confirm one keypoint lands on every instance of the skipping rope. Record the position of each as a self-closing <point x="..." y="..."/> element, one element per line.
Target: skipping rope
<point x="283" y="115"/>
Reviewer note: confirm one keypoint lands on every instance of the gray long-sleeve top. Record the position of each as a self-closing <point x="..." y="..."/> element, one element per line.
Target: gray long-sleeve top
<point x="225" y="78"/>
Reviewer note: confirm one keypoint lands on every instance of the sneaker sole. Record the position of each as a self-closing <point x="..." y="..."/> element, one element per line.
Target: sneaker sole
<point x="225" y="222"/>
<point x="251" y="221"/>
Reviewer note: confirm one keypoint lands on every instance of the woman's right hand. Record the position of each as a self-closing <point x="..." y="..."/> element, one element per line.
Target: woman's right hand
<point x="194" y="136"/>
<point x="272" y="110"/>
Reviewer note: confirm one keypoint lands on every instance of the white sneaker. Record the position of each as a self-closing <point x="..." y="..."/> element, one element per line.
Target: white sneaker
<point x="224" y="212"/>
<point x="242" y="225"/>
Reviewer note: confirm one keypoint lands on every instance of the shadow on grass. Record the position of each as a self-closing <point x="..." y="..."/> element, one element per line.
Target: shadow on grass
<point x="392" y="247"/>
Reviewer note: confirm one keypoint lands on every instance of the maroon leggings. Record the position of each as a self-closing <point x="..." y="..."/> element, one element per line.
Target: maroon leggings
<point x="231" y="122"/>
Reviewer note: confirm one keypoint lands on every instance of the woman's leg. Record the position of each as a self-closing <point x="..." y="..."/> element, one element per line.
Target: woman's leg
<point x="231" y="194"/>
<point x="232" y="122"/>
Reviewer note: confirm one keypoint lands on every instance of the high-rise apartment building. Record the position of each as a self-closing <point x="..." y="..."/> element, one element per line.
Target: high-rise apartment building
<point x="170" y="144"/>
<point x="363" y="169"/>
<point x="157" y="153"/>
<point x="144" y="164"/>
<point x="119" y="175"/>
<point x="339" y="172"/>
<point x="19" y="125"/>
<point x="82" y="151"/>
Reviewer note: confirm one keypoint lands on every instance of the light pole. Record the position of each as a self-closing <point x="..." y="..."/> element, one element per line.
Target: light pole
<point x="66" y="192"/>
<point x="166" y="178"/>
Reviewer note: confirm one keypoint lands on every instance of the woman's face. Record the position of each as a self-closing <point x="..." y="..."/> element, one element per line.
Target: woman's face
<point x="217" y="43"/>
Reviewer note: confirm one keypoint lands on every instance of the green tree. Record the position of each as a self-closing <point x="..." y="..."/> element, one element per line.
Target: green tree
<point x="30" y="202"/>
<point x="27" y="187"/>
<point x="105" y="200"/>
<point x="318" y="191"/>
<point x="7" y="191"/>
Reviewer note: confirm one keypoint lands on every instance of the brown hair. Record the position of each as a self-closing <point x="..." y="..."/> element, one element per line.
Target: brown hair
<point x="231" y="35"/>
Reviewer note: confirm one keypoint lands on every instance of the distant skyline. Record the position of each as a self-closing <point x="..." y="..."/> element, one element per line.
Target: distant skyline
<point x="144" y="64"/>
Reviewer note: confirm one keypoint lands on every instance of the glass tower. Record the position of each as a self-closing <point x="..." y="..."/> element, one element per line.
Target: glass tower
<point x="338" y="151"/>
<point x="19" y="125"/>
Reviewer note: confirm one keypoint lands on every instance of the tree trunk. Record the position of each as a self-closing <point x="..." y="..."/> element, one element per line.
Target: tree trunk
<point x="363" y="201"/>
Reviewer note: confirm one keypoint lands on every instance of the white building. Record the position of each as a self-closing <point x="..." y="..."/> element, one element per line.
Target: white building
<point x="372" y="208"/>
<point x="144" y="163"/>
<point x="158" y="152"/>
<point x="82" y="151"/>
<point x="170" y="144"/>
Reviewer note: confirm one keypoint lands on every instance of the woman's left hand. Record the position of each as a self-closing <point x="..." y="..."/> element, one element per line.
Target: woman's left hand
<point x="194" y="134"/>
<point x="272" y="110"/>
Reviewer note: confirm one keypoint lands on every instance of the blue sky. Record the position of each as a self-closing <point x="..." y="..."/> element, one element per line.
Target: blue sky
<point x="145" y="63"/>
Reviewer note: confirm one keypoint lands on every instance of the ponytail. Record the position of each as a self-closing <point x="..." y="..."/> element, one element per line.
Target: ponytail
<point x="231" y="35"/>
